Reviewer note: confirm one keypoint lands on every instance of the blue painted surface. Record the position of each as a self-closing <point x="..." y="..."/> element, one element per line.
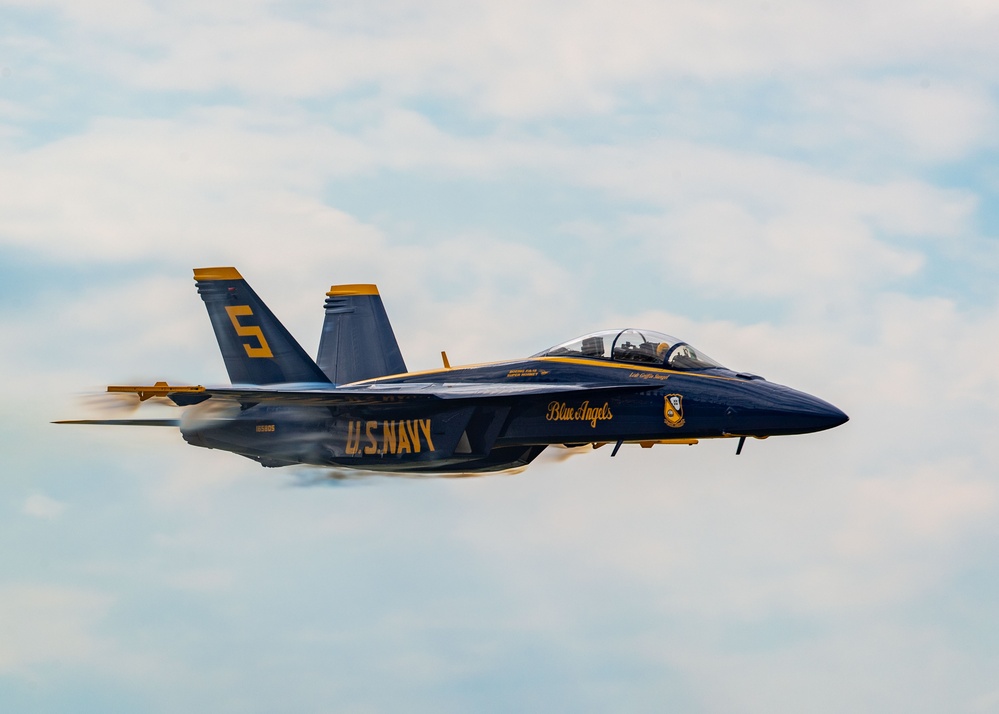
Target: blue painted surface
<point x="466" y="419"/>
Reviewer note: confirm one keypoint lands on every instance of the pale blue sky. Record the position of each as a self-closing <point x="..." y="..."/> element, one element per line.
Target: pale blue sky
<point x="807" y="191"/>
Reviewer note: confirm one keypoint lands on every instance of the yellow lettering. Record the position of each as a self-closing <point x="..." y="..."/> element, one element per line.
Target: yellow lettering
<point x="353" y="437"/>
<point x="388" y="437"/>
<point x="425" y="428"/>
<point x="560" y="411"/>
<point x="414" y="435"/>
<point x="404" y="439"/>
<point x="408" y="436"/>
<point x="372" y="446"/>
<point x="237" y="311"/>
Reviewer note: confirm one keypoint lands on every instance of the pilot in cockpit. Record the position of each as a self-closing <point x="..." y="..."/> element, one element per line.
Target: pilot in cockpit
<point x="646" y="352"/>
<point x="635" y="346"/>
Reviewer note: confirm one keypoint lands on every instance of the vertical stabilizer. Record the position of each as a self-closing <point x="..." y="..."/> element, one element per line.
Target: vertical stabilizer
<point x="257" y="349"/>
<point x="357" y="342"/>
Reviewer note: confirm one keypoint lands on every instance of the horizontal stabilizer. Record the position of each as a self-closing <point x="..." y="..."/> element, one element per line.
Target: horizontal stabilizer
<point x="122" y="422"/>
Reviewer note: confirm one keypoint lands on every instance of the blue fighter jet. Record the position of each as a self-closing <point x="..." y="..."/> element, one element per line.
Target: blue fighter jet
<point x="356" y="406"/>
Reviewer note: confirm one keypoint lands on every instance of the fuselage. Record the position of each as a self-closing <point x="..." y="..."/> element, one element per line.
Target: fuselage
<point x="357" y="406"/>
<point x="619" y="403"/>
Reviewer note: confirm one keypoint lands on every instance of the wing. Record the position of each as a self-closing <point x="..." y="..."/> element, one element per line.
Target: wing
<point x="326" y="396"/>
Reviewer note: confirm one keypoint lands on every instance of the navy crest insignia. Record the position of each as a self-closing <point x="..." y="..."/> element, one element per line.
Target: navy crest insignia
<point x="673" y="410"/>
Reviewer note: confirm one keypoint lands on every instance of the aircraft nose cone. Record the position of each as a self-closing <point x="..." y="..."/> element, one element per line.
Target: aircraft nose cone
<point x="778" y="410"/>
<point x="818" y="414"/>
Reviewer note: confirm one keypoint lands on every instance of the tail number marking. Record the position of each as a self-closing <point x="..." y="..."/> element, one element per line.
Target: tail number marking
<point x="237" y="311"/>
<point x="388" y="437"/>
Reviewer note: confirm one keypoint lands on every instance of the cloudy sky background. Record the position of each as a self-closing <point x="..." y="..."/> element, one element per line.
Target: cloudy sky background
<point x="803" y="190"/>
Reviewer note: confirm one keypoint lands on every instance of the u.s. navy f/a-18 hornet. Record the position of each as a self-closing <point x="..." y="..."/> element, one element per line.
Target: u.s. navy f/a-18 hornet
<point x="356" y="406"/>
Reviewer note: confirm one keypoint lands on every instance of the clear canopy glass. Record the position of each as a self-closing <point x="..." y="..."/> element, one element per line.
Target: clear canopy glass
<point x="634" y="346"/>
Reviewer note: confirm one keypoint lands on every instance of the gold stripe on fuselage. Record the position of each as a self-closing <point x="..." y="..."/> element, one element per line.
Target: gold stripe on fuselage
<point x="561" y="360"/>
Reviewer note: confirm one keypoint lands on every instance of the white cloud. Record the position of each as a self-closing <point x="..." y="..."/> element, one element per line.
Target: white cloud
<point x="832" y="532"/>
<point x="873" y="666"/>
<point x="201" y="580"/>
<point x="780" y="531"/>
<point x="516" y="59"/>
<point x="197" y="483"/>
<point x="924" y="510"/>
<point x="724" y="249"/>
<point x="228" y="186"/>
<point x="41" y="506"/>
<point x="913" y="117"/>
<point x="987" y="702"/>
<point x="131" y="190"/>
<point x="45" y="624"/>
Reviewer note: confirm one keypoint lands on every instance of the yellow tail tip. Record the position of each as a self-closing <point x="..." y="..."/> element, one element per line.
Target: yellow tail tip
<point x="356" y="289"/>
<point x="217" y="274"/>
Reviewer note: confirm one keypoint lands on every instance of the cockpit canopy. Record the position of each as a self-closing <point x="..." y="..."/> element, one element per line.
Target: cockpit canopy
<point x="634" y="346"/>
